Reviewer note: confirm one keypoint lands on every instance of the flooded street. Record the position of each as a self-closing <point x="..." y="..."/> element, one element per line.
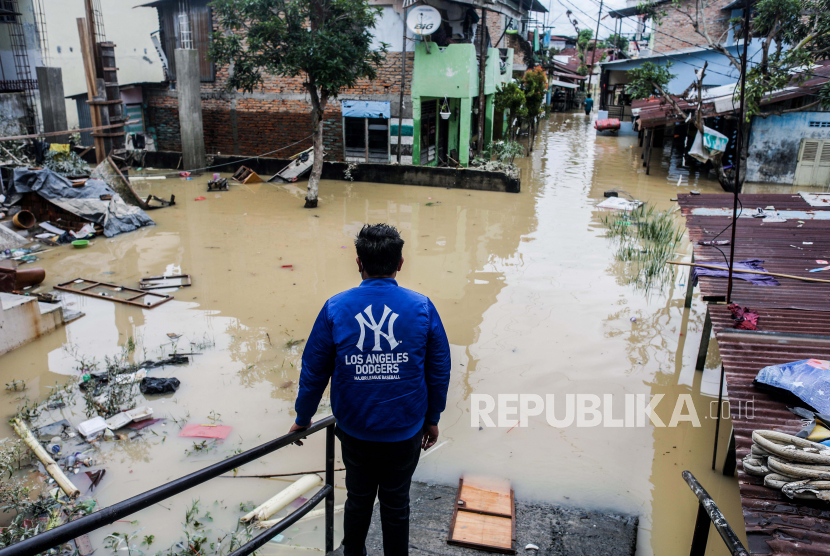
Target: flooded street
<point x="531" y="297"/>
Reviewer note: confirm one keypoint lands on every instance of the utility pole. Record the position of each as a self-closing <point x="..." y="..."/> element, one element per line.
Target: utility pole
<point x="403" y="83"/>
<point x="594" y="56"/>
<point x="482" y="67"/>
<point x="739" y="139"/>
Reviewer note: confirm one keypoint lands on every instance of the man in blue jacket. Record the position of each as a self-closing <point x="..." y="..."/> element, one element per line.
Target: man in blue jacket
<point x="388" y="358"/>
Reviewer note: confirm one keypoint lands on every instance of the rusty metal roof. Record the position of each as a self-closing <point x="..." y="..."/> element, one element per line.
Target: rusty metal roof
<point x="774" y="523"/>
<point x="791" y="247"/>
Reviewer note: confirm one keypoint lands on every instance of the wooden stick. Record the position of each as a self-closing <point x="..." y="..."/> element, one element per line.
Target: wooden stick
<point x="11" y="155"/>
<point x="67" y="132"/>
<point x="752" y="272"/>
<point x="51" y="467"/>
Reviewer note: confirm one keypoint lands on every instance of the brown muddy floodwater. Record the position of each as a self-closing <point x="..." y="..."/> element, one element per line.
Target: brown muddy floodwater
<point x="530" y="294"/>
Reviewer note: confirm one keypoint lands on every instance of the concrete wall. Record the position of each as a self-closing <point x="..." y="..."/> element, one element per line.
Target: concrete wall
<point x="774" y="144"/>
<point x="12" y="113"/>
<point x="23" y="319"/>
<point x="128" y="28"/>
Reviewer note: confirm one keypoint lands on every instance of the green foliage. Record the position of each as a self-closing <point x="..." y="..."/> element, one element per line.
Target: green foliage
<point x="328" y="42"/>
<point x="647" y="239"/>
<point x="535" y="85"/>
<point x="643" y="82"/>
<point x="510" y="98"/>
<point x="617" y="41"/>
<point x="67" y="163"/>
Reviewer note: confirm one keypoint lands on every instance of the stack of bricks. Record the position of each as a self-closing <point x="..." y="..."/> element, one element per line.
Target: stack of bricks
<point x="675" y="31"/>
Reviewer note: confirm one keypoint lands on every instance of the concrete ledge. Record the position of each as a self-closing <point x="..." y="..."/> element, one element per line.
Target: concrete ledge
<point x="555" y="530"/>
<point x="428" y="176"/>
<point x="23" y="319"/>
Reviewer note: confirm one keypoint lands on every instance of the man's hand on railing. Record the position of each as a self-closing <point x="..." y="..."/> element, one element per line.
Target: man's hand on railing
<point x="296" y="428"/>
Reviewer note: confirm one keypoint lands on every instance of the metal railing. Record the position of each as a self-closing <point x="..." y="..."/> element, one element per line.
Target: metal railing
<point x="708" y="512"/>
<point x="106" y="516"/>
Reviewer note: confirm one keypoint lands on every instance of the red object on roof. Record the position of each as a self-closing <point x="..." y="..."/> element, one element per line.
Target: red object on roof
<point x="220" y="432"/>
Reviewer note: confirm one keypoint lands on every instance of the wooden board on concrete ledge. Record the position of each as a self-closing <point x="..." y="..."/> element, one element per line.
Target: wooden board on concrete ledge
<point x="484" y="519"/>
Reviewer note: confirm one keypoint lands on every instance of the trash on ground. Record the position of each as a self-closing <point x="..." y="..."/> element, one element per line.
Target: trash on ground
<point x="815" y="199"/>
<point x="300" y="164"/>
<point x="114" y="292"/>
<point x="137" y="426"/>
<point x="283" y="498"/>
<point x="531" y="547"/>
<point x="153" y="385"/>
<point x="156" y="282"/>
<point x="313" y="514"/>
<point x="805" y="381"/>
<point x="617" y="203"/>
<point x="172" y="360"/>
<point x="492" y="532"/>
<point x="218" y="184"/>
<point x="246" y="175"/>
<point x="820" y="269"/>
<point x="745" y="318"/>
<point x="92" y="428"/>
<point x="51" y="467"/>
<point x="118" y="421"/>
<point x="140" y="413"/>
<point x="219" y="432"/>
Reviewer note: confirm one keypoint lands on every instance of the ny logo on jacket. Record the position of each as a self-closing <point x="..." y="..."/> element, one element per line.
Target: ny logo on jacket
<point x="385" y="389"/>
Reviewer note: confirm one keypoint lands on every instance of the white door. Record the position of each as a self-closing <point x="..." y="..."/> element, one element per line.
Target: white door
<point x="813" y="166"/>
<point x="807" y="155"/>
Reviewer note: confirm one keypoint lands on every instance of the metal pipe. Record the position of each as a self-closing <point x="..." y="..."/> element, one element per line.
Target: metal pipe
<point x="733" y="543"/>
<point x="284" y="523"/>
<point x="720" y="409"/>
<point x="738" y="146"/>
<point x="330" y="482"/>
<point x="106" y="516"/>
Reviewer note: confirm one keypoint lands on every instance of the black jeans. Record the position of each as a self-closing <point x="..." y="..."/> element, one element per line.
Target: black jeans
<point x="382" y="469"/>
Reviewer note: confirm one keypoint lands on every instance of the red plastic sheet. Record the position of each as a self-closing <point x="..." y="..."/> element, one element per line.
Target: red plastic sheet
<point x="220" y="432"/>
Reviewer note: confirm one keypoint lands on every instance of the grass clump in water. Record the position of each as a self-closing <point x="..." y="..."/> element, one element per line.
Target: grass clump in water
<point x="648" y="238"/>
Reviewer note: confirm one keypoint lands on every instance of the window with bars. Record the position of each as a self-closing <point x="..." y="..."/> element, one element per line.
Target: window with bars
<point x="192" y="28"/>
<point x="10" y="6"/>
<point x="819" y="124"/>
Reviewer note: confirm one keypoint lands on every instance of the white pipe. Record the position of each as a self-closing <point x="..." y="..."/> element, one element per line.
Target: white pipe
<point x="283" y="498"/>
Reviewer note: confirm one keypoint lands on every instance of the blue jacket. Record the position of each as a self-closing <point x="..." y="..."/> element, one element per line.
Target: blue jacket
<point x="387" y="355"/>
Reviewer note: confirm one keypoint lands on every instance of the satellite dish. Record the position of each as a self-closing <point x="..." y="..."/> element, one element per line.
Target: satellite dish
<point x="423" y="20"/>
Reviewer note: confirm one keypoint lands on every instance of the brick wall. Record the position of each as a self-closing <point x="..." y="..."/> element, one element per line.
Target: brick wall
<point x="675" y="31"/>
<point x="267" y="123"/>
<point x="495" y="25"/>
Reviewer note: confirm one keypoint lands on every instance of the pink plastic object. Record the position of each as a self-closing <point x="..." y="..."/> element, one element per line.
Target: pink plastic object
<point x="220" y="432"/>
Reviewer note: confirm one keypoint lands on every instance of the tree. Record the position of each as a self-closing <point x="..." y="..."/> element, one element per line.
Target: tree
<point x="617" y="41"/>
<point x="328" y="42"/>
<point x="791" y="35"/>
<point x="649" y="80"/>
<point x="535" y="86"/>
<point x="510" y="99"/>
<point x="583" y="42"/>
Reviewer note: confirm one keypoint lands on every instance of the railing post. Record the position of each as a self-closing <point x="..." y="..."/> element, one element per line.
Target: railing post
<point x="701" y="534"/>
<point x="330" y="481"/>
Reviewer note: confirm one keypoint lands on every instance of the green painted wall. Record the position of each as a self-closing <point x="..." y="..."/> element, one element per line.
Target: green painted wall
<point x="451" y="71"/>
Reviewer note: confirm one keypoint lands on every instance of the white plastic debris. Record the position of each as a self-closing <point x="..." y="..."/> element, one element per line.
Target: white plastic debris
<point x="531" y="547"/>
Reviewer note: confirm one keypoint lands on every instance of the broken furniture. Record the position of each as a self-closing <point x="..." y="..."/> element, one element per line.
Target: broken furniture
<point x="484" y="519"/>
<point x="246" y="175"/>
<point x="296" y="168"/>
<point x="220" y="184"/>
<point x="114" y="292"/>
<point x="161" y="202"/>
<point x="13" y="278"/>
<point x="157" y="282"/>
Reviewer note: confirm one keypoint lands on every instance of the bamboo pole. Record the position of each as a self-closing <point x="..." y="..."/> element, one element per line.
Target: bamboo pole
<point x="68" y="131"/>
<point x="87" y="50"/>
<point x="51" y="467"/>
<point x="804" y="279"/>
<point x="283" y="498"/>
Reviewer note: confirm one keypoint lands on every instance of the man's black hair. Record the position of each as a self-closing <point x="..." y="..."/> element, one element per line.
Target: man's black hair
<point x="379" y="247"/>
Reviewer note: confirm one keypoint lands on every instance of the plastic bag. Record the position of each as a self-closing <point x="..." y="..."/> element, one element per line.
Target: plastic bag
<point x="150" y="385"/>
<point x="807" y="380"/>
<point x="699" y="151"/>
<point x="714" y="141"/>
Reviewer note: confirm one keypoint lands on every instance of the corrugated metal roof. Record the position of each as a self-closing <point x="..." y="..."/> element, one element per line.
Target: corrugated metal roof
<point x="774" y="523"/>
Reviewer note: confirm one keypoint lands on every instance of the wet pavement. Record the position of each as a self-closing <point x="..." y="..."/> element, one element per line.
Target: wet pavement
<point x="530" y="295"/>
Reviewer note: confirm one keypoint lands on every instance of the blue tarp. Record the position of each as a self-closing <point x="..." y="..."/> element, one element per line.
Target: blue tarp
<point x="365" y="109"/>
<point x="809" y="380"/>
